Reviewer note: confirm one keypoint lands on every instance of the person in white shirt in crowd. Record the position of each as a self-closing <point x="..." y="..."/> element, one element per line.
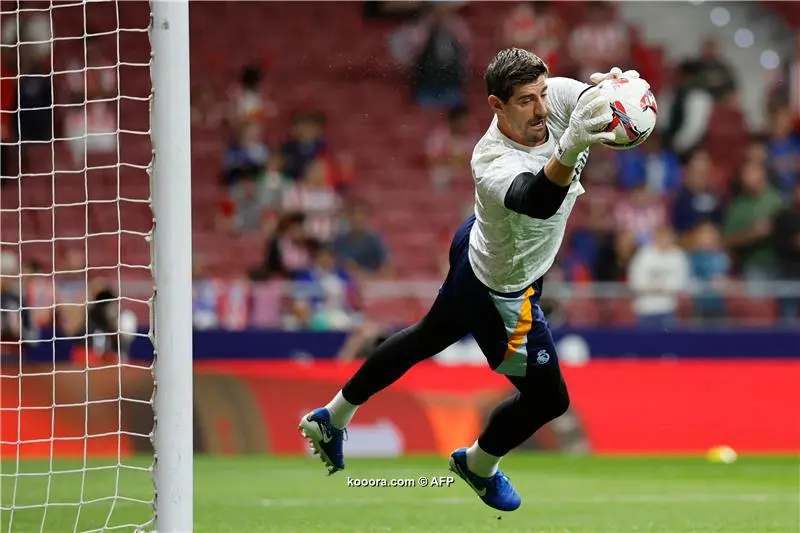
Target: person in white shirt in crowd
<point x="658" y="274"/>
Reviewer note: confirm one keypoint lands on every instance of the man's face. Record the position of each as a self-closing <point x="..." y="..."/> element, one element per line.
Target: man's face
<point x="524" y="117"/>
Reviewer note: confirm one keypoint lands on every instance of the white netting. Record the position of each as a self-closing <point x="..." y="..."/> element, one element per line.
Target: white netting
<point x="76" y="379"/>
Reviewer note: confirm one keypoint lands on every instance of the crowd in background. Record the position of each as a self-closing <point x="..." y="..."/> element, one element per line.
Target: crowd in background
<point x="702" y="203"/>
<point x="676" y="213"/>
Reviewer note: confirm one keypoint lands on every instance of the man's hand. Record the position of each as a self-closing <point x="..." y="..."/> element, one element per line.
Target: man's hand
<point x="586" y="127"/>
<point x="614" y="73"/>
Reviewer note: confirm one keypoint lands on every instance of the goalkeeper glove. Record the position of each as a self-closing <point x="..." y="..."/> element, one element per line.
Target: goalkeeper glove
<point x="615" y="72"/>
<point x="587" y="126"/>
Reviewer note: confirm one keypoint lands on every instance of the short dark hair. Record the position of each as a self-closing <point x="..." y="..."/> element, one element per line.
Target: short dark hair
<point x="510" y="68"/>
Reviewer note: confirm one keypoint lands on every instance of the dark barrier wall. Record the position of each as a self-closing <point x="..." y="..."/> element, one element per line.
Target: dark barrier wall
<point x="747" y="343"/>
<point x="618" y="406"/>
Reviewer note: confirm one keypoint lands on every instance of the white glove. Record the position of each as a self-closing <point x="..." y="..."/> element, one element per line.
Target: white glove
<point x="586" y="125"/>
<point x="615" y="72"/>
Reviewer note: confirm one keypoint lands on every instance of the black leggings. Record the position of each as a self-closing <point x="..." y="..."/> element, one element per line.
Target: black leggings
<point x="542" y="394"/>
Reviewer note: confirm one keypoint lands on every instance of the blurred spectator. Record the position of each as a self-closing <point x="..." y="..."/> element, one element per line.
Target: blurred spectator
<point x="339" y="172"/>
<point x="786" y="239"/>
<point x="726" y="138"/>
<point x="449" y="148"/>
<point x="35" y="98"/>
<point x="652" y="164"/>
<point x="536" y="27"/>
<point x="108" y="331"/>
<point x="647" y="59"/>
<point x="659" y="273"/>
<point x="689" y="114"/>
<point x="599" y="41"/>
<point x="641" y="212"/>
<point x="91" y="78"/>
<point x="359" y="247"/>
<point x="570" y="266"/>
<point x="8" y="107"/>
<point x="273" y="185"/>
<point x="90" y="123"/>
<point x="26" y="51"/>
<point x="326" y="291"/>
<point x="207" y="114"/>
<point x="306" y="143"/>
<point x="697" y="201"/>
<point x="784" y="150"/>
<point x="31" y="27"/>
<point x="204" y="296"/>
<point x="710" y="267"/>
<point x="16" y="323"/>
<point x="249" y="103"/>
<point x="785" y="90"/>
<point x="758" y="152"/>
<point x="440" y="47"/>
<point x="749" y="222"/>
<point x="323" y="298"/>
<point x="287" y="250"/>
<point x="314" y="197"/>
<point x="614" y="255"/>
<point x="38" y="291"/>
<point x="250" y="202"/>
<point x="587" y="240"/>
<point x="246" y="155"/>
<point x="711" y="72"/>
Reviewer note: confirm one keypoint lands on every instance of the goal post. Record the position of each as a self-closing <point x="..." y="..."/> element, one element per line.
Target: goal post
<point x="96" y="383"/>
<point x="172" y="196"/>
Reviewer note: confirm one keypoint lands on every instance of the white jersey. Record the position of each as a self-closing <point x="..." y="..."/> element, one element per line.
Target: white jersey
<point x="508" y="251"/>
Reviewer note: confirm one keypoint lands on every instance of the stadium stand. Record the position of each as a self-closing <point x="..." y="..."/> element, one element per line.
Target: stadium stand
<point x="374" y="144"/>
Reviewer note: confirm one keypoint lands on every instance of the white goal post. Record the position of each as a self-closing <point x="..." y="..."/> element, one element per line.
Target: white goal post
<point x="172" y="196"/>
<point x="96" y="385"/>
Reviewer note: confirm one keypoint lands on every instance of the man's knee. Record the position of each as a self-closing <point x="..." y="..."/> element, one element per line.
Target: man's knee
<point x="547" y="402"/>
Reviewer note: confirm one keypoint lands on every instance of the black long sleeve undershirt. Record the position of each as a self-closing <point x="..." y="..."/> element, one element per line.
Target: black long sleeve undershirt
<point x="534" y="195"/>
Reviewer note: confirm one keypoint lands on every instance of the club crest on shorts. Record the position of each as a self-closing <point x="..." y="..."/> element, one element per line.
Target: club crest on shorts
<point x="542" y="357"/>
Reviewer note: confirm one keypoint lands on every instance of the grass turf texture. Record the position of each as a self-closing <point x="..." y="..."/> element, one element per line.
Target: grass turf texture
<point x="560" y="495"/>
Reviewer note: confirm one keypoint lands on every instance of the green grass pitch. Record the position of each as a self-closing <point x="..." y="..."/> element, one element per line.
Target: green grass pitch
<point x="561" y="494"/>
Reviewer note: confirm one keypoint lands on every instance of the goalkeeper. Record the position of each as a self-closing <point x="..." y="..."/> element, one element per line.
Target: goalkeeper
<point x="527" y="170"/>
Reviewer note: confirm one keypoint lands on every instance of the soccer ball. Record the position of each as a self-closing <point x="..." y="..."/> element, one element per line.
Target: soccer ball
<point x="634" y="109"/>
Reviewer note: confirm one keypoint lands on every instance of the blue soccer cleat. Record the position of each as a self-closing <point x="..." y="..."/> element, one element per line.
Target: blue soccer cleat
<point x="495" y="491"/>
<point x="324" y="438"/>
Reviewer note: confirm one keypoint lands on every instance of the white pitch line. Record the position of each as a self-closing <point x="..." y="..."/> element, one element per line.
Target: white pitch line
<point x="358" y="502"/>
<point x="633" y="498"/>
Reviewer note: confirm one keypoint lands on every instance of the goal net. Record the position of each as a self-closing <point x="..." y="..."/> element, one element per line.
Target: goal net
<point x="78" y="441"/>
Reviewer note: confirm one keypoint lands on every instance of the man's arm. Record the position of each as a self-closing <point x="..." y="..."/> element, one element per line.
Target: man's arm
<point x="539" y="195"/>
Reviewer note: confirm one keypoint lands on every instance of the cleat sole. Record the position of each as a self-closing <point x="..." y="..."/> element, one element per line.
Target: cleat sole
<point x="310" y="432"/>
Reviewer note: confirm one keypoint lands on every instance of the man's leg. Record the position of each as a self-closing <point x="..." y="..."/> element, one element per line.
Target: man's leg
<point x="324" y="427"/>
<point x="444" y="324"/>
<point x="541" y="396"/>
<point x="515" y="337"/>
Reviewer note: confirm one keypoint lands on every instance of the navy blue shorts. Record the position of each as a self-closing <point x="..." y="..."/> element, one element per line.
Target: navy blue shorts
<point x="510" y="328"/>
